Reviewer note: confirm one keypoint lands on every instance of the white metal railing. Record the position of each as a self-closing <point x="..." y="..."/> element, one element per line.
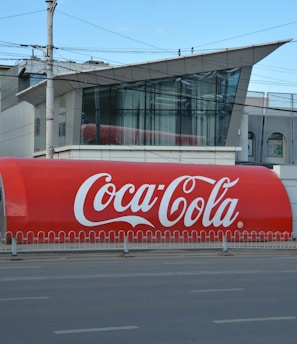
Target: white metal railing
<point x="142" y="240"/>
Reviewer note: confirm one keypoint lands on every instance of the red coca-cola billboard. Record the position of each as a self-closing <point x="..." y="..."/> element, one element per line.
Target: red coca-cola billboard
<point x="78" y="195"/>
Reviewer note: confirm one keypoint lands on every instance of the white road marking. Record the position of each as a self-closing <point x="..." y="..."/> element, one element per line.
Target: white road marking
<point x="215" y="290"/>
<point x="98" y="329"/>
<point x="254" y="319"/>
<point x="25" y="298"/>
<point x="20" y="267"/>
<point x="185" y="263"/>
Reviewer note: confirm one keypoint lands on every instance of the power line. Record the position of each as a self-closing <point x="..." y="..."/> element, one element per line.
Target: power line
<point x="247" y="34"/>
<point x="110" y="31"/>
<point x="21" y="14"/>
<point x="169" y="94"/>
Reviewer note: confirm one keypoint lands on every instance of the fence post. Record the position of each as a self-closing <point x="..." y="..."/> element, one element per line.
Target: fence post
<point x="14" y="247"/>
<point x="126" y="244"/>
<point x="225" y="248"/>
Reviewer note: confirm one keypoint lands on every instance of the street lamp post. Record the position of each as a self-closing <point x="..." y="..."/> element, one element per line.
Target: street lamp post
<point x="50" y="96"/>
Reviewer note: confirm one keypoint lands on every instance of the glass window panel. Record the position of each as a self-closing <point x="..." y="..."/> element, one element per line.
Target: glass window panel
<point x="279" y="100"/>
<point x="187" y="110"/>
<point x="62" y="121"/>
<point x="37" y="129"/>
<point x="275" y="145"/>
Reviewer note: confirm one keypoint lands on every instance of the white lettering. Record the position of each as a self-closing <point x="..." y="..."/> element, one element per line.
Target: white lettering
<point x="178" y="202"/>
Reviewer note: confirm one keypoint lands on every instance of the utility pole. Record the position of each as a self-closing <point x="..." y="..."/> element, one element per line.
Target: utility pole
<point x="50" y="96"/>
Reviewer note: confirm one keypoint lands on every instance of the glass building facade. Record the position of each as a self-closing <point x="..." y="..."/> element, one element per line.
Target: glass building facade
<point x="190" y="110"/>
<point x="195" y="102"/>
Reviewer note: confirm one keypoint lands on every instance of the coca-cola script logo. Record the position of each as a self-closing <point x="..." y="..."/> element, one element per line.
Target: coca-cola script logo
<point x="185" y="206"/>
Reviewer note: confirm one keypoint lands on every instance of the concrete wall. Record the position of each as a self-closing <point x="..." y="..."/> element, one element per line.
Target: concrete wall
<point x="17" y="131"/>
<point x="243" y="139"/>
<point x="274" y="113"/>
<point x="190" y="155"/>
<point x="288" y="175"/>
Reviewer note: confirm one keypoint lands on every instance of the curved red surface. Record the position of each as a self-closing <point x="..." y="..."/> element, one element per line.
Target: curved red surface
<point x="54" y="195"/>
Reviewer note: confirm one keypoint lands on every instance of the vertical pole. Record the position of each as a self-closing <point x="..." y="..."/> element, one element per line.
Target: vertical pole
<point x="14" y="247"/>
<point x="50" y="97"/>
<point x="264" y="111"/>
<point x="225" y="248"/>
<point x="126" y="244"/>
<point x="293" y="132"/>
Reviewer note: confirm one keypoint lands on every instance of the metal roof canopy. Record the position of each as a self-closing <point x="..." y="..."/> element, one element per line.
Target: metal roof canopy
<point x="197" y="63"/>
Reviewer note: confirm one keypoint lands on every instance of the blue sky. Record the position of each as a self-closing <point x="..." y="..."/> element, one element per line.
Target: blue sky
<point x="129" y="31"/>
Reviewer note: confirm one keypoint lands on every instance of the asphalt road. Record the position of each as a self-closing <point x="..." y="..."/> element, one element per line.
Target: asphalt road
<point x="149" y="299"/>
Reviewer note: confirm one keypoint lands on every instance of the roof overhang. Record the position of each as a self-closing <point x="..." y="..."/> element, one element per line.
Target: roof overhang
<point x="196" y="63"/>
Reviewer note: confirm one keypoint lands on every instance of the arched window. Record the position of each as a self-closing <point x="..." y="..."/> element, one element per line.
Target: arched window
<point x="275" y="145"/>
<point x="251" y="144"/>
